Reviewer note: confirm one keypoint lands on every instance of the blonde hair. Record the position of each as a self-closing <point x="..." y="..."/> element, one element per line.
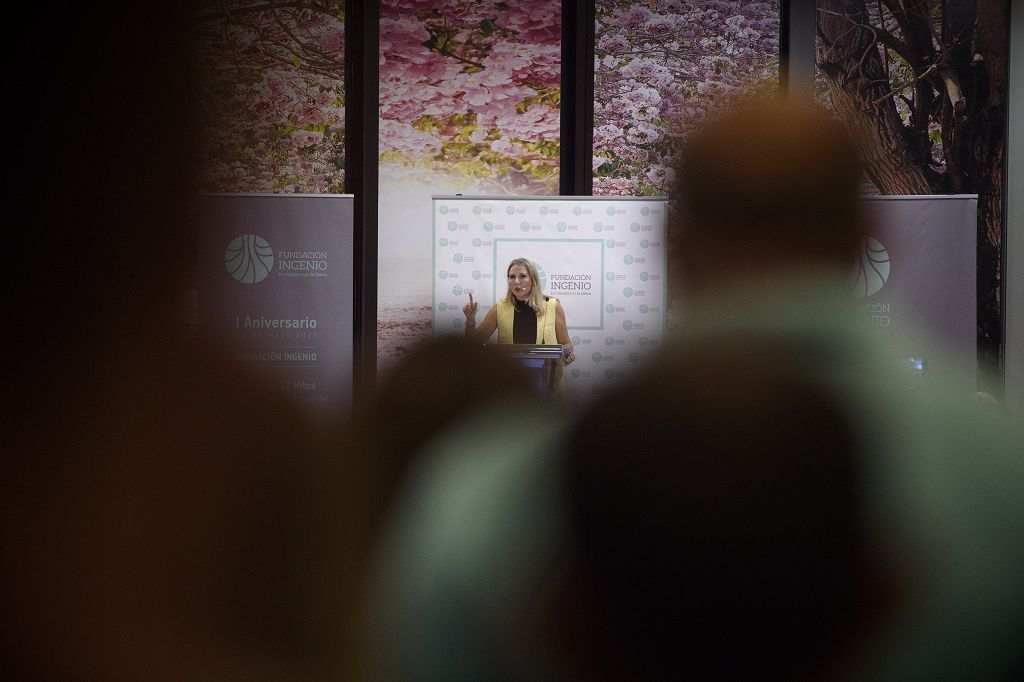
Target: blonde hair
<point x="536" y="299"/>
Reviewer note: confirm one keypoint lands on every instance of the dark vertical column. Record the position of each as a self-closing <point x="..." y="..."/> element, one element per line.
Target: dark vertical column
<point x="1013" y="244"/>
<point x="577" y="105"/>
<point x="784" y="46"/>
<point x="361" y="115"/>
<point x="796" y="47"/>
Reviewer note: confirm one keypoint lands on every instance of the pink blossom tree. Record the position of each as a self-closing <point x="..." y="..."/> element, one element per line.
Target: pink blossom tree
<point x="469" y="101"/>
<point x="272" y="105"/>
<point x="659" y="67"/>
<point x="471" y="89"/>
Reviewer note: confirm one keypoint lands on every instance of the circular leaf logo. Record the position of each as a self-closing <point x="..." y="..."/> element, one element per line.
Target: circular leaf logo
<point x="442" y="306"/>
<point x="249" y="258"/>
<point x="609" y="276"/>
<point x="609" y="308"/>
<point x="575" y="374"/>
<point x="872" y="269"/>
<point x="644" y="243"/>
<point x="443" y="274"/>
<point x="575" y="340"/>
<point x="476" y="274"/>
<point x="477" y="241"/>
<point x="610" y="243"/>
<point x="627" y="292"/>
<point x="610" y="210"/>
<point x="457" y="290"/>
<point x="634" y="227"/>
<point x="598" y="227"/>
<point x="510" y="209"/>
<point x="609" y="341"/>
<point x="456" y="323"/>
<point x="443" y="210"/>
<point x="443" y="241"/>
<point x="628" y="260"/>
<point x="644" y="276"/>
<point x="477" y="209"/>
<point x="645" y="211"/>
<point x="643" y="341"/>
<point x="561" y="227"/>
<point x="543" y="210"/>
<point x="540" y="273"/>
<point x="488" y="226"/>
<point x="452" y="226"/>
<point x="644" y="308"/>
<point x="524" y="226"/>
<point x="457" y="258"/>
<point x="577" y="210"/>
<point x="596" y="357"/>
<point x="627" y="325"/>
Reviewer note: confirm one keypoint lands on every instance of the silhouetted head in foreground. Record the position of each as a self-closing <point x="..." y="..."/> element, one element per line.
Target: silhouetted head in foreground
<point x="766" y="186"/>
<point x="720" y="536"/>
<point x="431" y="389"/>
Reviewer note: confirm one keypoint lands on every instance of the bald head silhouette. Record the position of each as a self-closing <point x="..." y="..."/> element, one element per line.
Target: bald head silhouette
<point x="765" y="185"/>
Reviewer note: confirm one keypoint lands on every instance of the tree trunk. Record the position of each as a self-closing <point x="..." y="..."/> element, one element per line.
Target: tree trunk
<point x="849" y="61"/>
<point x="979" y="154"/>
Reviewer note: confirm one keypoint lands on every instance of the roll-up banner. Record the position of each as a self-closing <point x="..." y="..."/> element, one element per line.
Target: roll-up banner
<point x="917" y="280"/>
<point x="276" y="291"/>
<point x="603" y="258"/>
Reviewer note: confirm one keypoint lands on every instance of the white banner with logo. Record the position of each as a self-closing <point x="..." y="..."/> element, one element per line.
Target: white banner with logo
<point x="276" y="290"/>
<point x="604" y="258"/>
<point x="917" y="278"/>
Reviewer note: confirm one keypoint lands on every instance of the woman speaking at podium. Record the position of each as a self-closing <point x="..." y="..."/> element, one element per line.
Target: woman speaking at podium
<point x="525" y="315"/>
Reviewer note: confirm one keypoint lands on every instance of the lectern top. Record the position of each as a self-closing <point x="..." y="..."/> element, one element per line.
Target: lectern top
<point x="528" y="350"/>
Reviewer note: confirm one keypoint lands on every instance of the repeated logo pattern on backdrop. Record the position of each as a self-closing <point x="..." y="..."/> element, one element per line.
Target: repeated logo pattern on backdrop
<point x="604" y="259"/>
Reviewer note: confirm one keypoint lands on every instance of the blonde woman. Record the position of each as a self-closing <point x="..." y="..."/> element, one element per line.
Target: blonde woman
<point x="525" y="315"/>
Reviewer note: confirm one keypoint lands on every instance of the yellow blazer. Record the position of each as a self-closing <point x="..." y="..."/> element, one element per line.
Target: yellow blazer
<point x="545" y="322"/>
<point x="545" y="332"/>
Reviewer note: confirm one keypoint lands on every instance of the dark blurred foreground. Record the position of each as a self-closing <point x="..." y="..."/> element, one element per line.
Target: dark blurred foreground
<point x="774" y="499"/>
<point x="163" y="515"/>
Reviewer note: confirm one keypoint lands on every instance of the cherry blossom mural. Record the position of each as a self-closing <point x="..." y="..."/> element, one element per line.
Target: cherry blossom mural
<point x="660" y="67"/>
<point x="272" y="105"/>
<point x="470" y="89"/>
<point x="469" y="103"/>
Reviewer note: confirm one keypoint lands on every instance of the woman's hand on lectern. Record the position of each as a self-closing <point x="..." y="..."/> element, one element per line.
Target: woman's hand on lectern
<point x="568" y="356"/>
<point x="469" y="310"/>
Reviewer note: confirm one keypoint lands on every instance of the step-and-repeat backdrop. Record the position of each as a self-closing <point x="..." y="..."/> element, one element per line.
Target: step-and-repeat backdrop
<point x="604" y="259"/>
<point x="276" y="291"/>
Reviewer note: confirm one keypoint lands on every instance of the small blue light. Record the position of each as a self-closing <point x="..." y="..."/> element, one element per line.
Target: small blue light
<point x="915" y="365"/>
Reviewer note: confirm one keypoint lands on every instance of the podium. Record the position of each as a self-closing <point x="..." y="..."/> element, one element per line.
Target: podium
<point x="541" y="362"/>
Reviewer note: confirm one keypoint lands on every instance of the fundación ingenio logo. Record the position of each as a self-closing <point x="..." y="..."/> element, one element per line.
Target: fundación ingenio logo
<point x="249" y="258"/>
<point x="871" y="271"/>
<point x="543" y="275"/>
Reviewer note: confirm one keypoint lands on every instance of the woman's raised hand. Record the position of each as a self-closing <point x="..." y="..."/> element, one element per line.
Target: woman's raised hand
<point x="470" y="311"/>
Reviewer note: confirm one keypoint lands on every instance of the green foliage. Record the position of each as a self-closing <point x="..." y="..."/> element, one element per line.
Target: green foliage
<point x="550" y="97"/>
